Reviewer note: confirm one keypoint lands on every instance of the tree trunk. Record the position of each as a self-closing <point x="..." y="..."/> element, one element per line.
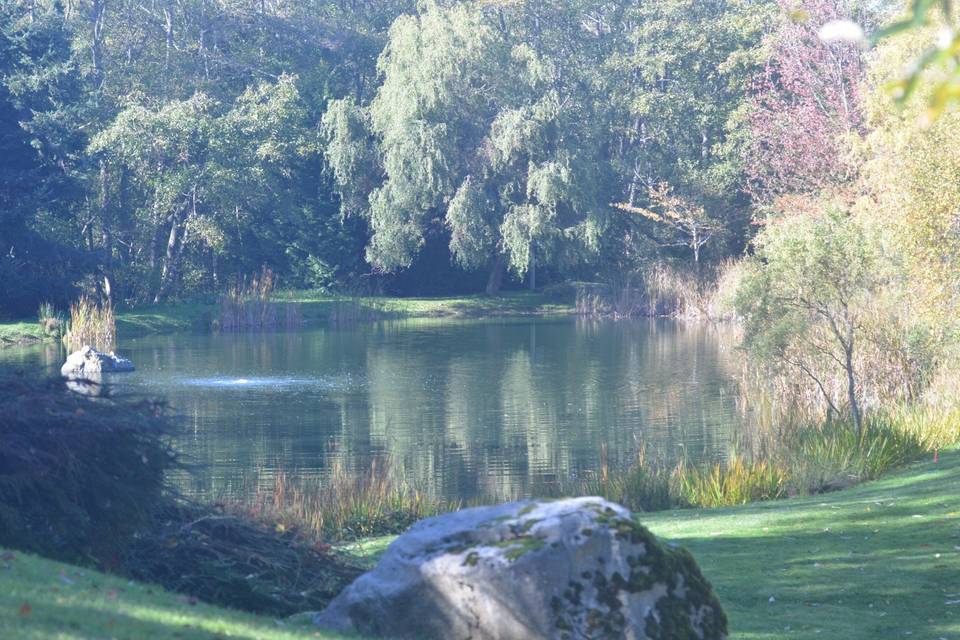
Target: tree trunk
<point x="496" y="276"/>
<point x="533" y="271"/>
<point x="173" y="241"/>
<point x="96" y="41"/>
<point x="852" y="384"/>
<point x="106" y="233"/>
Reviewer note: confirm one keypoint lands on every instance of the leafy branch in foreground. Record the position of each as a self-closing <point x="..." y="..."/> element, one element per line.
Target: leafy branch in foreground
<point x="942" y="59"/>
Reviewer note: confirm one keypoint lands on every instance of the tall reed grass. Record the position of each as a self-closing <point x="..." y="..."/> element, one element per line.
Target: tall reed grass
<point x="348" y="312"/>
<point x="248" y="306"/>
<point x="664" y="291"/>
<point x="51" y="321"/>
<point x="738" y="481"/>
<point x="344" y="505"/>
<point x="91" y="324"/>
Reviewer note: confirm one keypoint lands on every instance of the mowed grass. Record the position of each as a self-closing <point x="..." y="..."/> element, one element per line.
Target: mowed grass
<point x="316" y="309"/>
<point x="41" y="600"/>
<point x="880" y="560"/>
<point x="319" y="307"/>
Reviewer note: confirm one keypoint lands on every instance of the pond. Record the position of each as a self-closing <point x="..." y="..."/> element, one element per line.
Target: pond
<point x="464" y="408"/>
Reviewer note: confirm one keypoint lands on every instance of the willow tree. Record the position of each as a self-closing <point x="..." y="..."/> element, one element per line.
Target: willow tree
<point x="489" y="122"/>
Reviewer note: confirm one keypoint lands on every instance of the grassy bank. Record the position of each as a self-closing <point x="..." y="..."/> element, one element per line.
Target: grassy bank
<point x="317" y="309"/>
<point x="26" y="332"/>
<point x="877" y="560"/>
<point x="41" y="599"/>
<point x="880" y="560"/>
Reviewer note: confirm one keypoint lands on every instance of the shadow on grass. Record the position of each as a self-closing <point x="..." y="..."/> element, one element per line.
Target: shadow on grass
<point x="878" y="561"/>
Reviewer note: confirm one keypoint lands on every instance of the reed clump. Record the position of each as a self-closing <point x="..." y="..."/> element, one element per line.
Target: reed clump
<point x="737" y="481"/>
<point x="91" y="324"/>
<point x="663" y="290"/>
<point x="349" y="312"/>
<point x="249" y="306"/>
<point x="649" y="484"/>
<point x="343" y="505"/>
<point x="51" y="322"/>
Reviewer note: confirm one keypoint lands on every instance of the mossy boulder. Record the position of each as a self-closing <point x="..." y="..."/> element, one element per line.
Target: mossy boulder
<point x="577" y="568"/>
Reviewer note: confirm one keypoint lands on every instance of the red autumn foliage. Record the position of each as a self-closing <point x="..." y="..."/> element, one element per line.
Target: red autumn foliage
<point x="805" y="101"/>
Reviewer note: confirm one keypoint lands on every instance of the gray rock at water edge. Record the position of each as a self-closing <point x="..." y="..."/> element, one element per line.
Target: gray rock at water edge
<point x="90" y="361"/>
<point x="579" y="568"/>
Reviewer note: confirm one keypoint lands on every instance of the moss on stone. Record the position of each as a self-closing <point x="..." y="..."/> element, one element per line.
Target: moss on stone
<point x="519" y="547"/>
<point x="650" y="564"/>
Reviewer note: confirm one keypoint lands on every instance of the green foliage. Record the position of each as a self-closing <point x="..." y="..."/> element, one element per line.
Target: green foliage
<point x="803" y="297"/>
<point x="511" y="122"/>
<point x="806" y="270"/>
<point x="939" y="60"/>
<point x="151" y="155"/>
<point x="738" y="481"/>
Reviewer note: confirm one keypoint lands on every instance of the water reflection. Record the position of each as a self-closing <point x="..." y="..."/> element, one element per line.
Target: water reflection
<point x="468" y="408"/>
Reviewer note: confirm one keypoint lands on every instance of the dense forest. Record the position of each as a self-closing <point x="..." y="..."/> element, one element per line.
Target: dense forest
<point x="165" y="148"/>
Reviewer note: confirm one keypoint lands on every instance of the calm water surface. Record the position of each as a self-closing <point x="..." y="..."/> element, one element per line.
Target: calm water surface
<point x="465" y="408"/>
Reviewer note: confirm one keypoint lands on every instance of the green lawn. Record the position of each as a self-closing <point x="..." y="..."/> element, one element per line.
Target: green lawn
<point x="881" y="560"/>
<point x="40" y="599"/>
<point x="20" y="332"/>
<point x="316" y="309"/>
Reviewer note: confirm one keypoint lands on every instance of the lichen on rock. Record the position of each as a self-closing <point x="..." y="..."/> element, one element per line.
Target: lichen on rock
<point x="577" y="568"/>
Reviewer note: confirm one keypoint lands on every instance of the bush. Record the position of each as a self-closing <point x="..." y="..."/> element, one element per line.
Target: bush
<point x="78" y="474"/>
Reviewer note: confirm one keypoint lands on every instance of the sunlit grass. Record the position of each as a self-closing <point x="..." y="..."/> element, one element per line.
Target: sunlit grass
<point x="315" y="308"/>
<point x="41" y="599"/>
<point x="20" y="332"/>
<point x="879" y="560"/>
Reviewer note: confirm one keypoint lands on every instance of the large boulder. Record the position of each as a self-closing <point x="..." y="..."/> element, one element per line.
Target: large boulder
<point x="578" y="568"/>
<point x="88" y="361"/>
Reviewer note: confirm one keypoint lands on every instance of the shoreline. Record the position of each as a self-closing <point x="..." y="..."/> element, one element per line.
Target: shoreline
<point x="317" y="310"/>
<point x="877" y="559"/>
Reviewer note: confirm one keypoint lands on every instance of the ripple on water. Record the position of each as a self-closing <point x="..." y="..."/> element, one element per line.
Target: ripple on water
<point x="273" y="382"/>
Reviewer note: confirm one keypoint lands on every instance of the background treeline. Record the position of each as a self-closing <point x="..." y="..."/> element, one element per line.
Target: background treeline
<point x="164" y="149"/>
<point x="156" y="149"/>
